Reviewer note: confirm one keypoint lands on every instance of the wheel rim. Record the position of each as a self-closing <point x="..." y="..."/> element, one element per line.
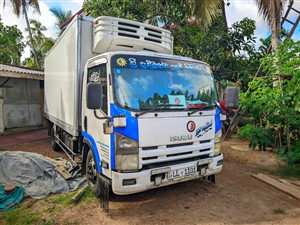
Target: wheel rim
<point x="91" y="172"/>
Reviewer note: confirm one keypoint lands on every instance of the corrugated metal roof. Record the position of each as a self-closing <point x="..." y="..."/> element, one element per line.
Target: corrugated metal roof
<point x="19" y="69"/>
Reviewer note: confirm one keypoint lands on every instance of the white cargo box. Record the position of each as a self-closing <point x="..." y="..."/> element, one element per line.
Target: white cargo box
<point x="116" y="34"/>
<point x="64" y="67"/>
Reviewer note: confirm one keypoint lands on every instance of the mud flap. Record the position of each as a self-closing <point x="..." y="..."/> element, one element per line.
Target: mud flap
<point x="104" y="193"/>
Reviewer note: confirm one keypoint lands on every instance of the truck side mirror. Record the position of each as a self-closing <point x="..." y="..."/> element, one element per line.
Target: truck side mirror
<point x="232" y="97"/>
<point x="94" y="96"/>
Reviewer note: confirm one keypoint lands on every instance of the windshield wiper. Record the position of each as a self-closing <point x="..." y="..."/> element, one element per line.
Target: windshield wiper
<point x="202" y="108"/>
<point x="162" y="106"/>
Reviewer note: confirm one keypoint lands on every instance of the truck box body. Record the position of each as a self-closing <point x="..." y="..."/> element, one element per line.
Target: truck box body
<point x="64" y="68"/>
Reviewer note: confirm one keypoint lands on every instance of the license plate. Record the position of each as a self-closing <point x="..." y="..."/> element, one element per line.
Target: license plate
<point x="174" y="174"/>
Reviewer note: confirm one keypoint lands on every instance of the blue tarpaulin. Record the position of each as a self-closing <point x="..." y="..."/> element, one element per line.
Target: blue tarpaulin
<point x="9" y="201"/>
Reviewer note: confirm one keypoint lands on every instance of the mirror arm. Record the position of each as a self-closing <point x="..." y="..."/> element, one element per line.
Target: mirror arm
<point x="107" y="117"/>
<point x="100" y="118"/>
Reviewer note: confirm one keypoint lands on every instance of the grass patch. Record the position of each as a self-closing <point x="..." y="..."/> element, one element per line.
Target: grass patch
<point x="288" y="171"/>
<point x="23" y="215"/>
<point x="64" y="199"/>
<point x="279" y="211"/>
<point x="2" y="149"/>
<point x="87" y="195"/>
<point x="18" y="216"/>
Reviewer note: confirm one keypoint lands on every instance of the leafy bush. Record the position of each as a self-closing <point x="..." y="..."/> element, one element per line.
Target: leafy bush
<point x="257" y="136"/>
<point x="291" y="156"/>
<point x="273" y="101"/>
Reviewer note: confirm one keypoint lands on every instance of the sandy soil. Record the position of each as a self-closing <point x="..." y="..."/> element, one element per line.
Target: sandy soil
<point x="236" y="198"/>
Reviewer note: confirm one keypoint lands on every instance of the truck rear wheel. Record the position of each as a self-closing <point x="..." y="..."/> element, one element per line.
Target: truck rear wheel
<point x="54" y="145"/>
<point x="92" y="174"/>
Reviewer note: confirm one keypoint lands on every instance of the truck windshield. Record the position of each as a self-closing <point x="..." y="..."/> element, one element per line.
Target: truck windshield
<point x="148" y="83"/>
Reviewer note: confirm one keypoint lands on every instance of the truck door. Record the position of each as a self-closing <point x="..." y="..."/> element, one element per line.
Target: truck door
<point x="93" y="127"/>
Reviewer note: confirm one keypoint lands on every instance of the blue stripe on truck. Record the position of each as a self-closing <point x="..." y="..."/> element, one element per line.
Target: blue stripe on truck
<point x="218" y="123"/>
<point x="112" y="151"/>
<point x="131" y="129"/>
<point x="94" y="149"/>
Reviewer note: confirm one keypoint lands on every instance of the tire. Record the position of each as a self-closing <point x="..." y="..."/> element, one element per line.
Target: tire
<point x="54" y="145"/>
<point x="92" y="174"/>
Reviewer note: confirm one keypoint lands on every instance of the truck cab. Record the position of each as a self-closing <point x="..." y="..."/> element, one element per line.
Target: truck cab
<point x="162" y="114"/>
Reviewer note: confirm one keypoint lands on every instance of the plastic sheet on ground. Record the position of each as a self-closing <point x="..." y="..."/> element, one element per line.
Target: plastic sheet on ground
<point x="10" y="200"/>
<point x="35" y="173"/>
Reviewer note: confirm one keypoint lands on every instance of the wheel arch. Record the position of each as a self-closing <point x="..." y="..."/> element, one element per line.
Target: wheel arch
<point x="90" y="145"/>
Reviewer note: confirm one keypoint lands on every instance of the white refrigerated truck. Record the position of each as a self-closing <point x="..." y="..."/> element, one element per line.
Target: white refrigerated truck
<point x="138" y="116"/>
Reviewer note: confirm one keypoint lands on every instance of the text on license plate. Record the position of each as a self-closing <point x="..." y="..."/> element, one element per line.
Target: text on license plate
<point x="182" y="172"/>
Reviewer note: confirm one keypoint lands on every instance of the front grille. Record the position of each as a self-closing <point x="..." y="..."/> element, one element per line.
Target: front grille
<point x="175" y="162"/>
<point x="171" y="154"/>
<point x="178" y="145"/>
<point x="150" y="148"/>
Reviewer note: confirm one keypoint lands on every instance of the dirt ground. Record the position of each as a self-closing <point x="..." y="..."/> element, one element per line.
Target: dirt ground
<point x="236" y="198"/>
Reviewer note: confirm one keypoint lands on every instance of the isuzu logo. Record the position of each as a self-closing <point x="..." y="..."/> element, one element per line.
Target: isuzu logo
<point x="181" y="137"/>
<point x="191" y="126"/>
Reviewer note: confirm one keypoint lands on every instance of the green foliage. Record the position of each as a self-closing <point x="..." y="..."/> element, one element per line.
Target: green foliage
<point x="231" y="54"/>
<point x="11" y="44"/>
<point x="168" y="11"/>
<point x="277" y="107"/>
<point x="61" y="17"/>
<point x="292" y="155"/>
<point x="127" y="9"/>
<point x="257" y="136"/>
<point x="42" y="45"/>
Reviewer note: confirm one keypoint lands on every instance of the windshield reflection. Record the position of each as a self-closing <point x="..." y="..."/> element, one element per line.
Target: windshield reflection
<point x="169" y="84"/>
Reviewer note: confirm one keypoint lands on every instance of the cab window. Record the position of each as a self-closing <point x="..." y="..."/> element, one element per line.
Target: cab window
<point x="97" y="74"/>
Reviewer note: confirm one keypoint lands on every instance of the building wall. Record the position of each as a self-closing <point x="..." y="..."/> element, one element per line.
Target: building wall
<point x="21" y="102"/>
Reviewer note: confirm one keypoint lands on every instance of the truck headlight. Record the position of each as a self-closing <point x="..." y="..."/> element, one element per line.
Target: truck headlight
<point x="126" y="153"/>
<point x="218" y="136"/>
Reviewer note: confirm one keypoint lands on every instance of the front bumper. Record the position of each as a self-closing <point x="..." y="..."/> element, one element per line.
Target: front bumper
<point x="143" y="178"/>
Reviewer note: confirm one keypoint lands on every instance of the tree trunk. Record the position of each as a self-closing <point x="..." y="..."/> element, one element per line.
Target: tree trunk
<point x="30" y="36"/>
<point x="224" y="17"/>
<point x="276" y="31"/>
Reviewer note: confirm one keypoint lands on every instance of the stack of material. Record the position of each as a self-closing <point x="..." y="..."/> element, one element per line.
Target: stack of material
<point x="35" y="173"/>
<point x="291" y="188"/>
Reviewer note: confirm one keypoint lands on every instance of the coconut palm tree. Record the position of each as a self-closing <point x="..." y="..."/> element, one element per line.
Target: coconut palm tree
<point x="41" y="43"/>
<point x="37" y="29"/>
<point x="21" y="7"/>
<point x="61" y="17"/>
<point x="207" y="10"/>
<point x="271" y="10"/>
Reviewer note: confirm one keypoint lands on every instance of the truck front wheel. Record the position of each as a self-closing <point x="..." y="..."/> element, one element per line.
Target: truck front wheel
<point x="92" y="174"/>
